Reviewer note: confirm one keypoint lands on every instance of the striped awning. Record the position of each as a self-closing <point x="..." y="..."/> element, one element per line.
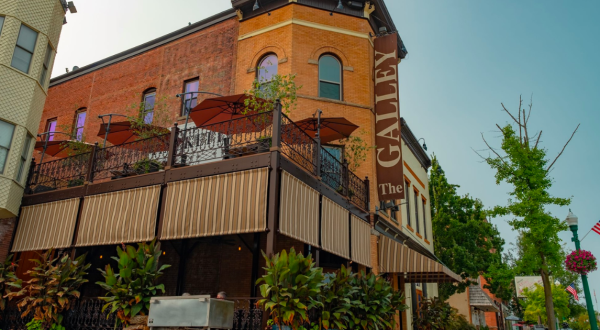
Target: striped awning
<point x="226" y="204"/>
<point x="360" y="241"/>
<point x="45" y="226"/>
<point x="299" y="210"/>
<point x="335" y="228"/>
<point x="398" y="258"/>
<point x="125" y="216"/>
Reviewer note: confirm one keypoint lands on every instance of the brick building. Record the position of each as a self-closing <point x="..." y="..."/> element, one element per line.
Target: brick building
<point x="214" y="204"/>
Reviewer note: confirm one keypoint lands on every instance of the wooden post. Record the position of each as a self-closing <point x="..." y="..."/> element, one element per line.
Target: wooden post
<point x="172" y="146"/>
<point x="274" y="182"/>
<point x="368" y="193"/>
<point x="255" y="264"/>
<point x="91" y="162"/>
<point x="181" y="271"/>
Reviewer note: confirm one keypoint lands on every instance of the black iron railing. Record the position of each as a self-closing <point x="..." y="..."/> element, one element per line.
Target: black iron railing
<point x="246" y="315"/>
<point x="298" y="146"/>
<point x="60" y="173"/>
<point x="229" y="139"/>
<point x="358" y="191"/>
<point x="133" y="158"/>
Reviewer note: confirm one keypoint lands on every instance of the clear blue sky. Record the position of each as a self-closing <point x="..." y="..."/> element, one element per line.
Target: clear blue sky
<point x="465" y="58"/>
<point x="468" y="56"/>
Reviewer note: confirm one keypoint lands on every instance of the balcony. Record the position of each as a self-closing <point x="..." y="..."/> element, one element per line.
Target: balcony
<point x="240" y="144"/>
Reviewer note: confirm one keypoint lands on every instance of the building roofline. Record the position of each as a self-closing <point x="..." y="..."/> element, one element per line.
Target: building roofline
<point x="413" y="144"/>
<point x="178" y="34"/>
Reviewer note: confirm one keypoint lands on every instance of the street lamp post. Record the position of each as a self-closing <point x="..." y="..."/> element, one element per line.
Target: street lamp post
<point x="572" y="221"/>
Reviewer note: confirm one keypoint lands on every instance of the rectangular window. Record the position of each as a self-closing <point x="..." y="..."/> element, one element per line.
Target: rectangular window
<point x="407" y="195"/>
<point x="46" y="65"/>
<point x="189" y="100"/>
<point x="50" y="127"/>
<point x="6" y="135"/>
<point x="79" y="122"/>
<point x="1" y="23"/>
<point x="424" y="220"/>
<point x="24" y="156"/>
<point x="149" y="99"/>
<point x="417" y="222"/>
<point x="24" y="49"/>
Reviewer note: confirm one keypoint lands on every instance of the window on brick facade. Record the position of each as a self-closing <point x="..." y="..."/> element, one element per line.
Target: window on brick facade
<point x="148" y="105"/>
<point x="330" y="78"/>
<point x="407" y="200"/>
<point x="46" y="65"/>
<point x="1" y="24"/>
<point x="24" y="156"/>
<point x="6" y="135"/>
<point x="417" y="222"/>
<point x="50" y="127"/>
<point x="189" y="101"/>
<point x="424" y="220"/>
<point x="267" y="68"/>
<point x="24" y="48"/>
<point x="79" y="123"/>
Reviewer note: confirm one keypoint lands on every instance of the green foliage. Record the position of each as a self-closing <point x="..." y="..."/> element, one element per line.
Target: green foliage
<point x="161" y="118"/>
<point x="129" y="290"/>
<point x="464" y="240"/>
<point x="374" y="304"/>
<point x="10" y="285"/>
<point x="290" y="288"/>
<point x="535" y="304"/>
<point x="53" y="287"/>
<point x="280" y="87"/>
<point x="335" y="300"/>
<point x="356" y="150"/>
<point x="435" y="314"/>
<point x="34" y="325"/>
<point x="146" y="165"/>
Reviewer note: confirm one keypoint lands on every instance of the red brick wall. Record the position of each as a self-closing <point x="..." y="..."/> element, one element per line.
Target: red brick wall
<point x="6" y="230"/>
<point x="208" y="54"/>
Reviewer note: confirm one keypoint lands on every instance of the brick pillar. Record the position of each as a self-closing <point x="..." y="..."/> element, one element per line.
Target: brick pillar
<point x="7" y="226"/>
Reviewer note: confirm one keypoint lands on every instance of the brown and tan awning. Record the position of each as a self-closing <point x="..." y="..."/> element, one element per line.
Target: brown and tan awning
<point x="226" y="204"/>
<point x="335" y="228"/>
<point x="360" y="241"/>
<point x="125" y="216"/>
<point x="299" y="210"/>
<point x="45" y="226"/>
<point x="398" y="258"/>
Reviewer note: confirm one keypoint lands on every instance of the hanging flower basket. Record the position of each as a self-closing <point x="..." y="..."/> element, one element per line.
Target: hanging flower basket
<point x="581" y="262"/>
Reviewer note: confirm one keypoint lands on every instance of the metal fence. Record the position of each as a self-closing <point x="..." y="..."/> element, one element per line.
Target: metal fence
<point x="61" y="173"/>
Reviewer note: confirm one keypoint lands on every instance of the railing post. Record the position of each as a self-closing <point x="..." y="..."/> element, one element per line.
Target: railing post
<point x="318" y="157"/>
<point x="345" y="178"/>
<point x="30" y="174"/>
<point x="276" y="139"/>
<point x="368" y="193"/>
<point x="89" y="178"/>
<point x="172" y="146"/>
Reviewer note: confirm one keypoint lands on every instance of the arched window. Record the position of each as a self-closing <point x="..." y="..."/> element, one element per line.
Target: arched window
<point x="148" y="105"/>
<point x="267" y="68"/>
<point x="330" y="78"/>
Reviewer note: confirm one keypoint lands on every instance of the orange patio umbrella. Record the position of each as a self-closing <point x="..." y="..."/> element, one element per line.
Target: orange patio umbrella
<point x="331" y="129"/>
<point x="62" y="148"/>
<point x="122" y="132"/>
<point x="220" y="109"/>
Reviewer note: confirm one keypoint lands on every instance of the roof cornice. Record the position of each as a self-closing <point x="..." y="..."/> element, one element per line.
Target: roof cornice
<point x="413" y="144"/>
<point x="190" y="29"/>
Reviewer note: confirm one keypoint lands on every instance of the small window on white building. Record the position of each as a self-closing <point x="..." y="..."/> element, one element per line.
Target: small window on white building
<point x="6" y="135"/>
<point x="24" y="49"/>
<point x="24" y="156"/>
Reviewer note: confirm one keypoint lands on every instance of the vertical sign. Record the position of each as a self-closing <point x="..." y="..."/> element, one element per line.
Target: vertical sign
<point x="390" y="180"/>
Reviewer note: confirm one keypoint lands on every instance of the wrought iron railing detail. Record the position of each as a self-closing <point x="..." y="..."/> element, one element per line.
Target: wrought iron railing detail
<point x="332" y="172"/>
<point x="357" y="191"/>
<point x="298" y="146"/>
<point x="60" y="173"/>
<point x="85" y="314"/>
<point x="225" y="140"/>
<point x="246" y="315"/>
<point x="133" y="158"/>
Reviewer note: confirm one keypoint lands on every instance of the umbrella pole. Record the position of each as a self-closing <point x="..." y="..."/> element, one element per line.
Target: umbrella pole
<point x="44" y="152"/>
<point x="107" y="130"/>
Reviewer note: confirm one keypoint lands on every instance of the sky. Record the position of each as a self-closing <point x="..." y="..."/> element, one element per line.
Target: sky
<point x="465" y="58"/>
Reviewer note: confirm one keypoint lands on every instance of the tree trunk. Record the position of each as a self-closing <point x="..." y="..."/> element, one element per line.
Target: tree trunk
<point x="548" y="295"/>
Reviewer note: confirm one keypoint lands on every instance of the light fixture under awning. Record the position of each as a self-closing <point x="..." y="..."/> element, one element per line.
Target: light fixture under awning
<point x="398" y="258"/>
<point x="125" y="216"/>
<point x="45" y="226"/>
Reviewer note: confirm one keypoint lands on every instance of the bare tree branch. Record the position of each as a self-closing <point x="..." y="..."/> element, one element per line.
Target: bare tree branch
<point x="530" y="106"/>
<point x="563" y="149"/>
<point x="492" y="149"/>
<point x="538" y="140"/>
<point x="510" y="114"/>
<point x="526" y="131"/>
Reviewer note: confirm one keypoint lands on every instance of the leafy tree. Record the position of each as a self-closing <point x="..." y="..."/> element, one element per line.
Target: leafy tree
<point x="525" y="167"/>
<point x="535" y="304"/>
<point x="435" y="314"/>
<point x="464" y="240"/>
<point x="280" y="87"/>
<point x="9" y="282"/>
<point x="161" y="118"/>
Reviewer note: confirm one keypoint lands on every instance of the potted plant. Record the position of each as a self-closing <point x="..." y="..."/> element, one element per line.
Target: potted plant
<point x="52" y="288"/>
<point x="374" y="303"/>
<point x="146" y="165"/>
<point x="290" y="288"/>
<point x="335" y="300"/>
<point x="581" y="262"/>
<point x="8" y="282"/>
<point x="76" y="182"/>
<point x="129" y="290"/>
